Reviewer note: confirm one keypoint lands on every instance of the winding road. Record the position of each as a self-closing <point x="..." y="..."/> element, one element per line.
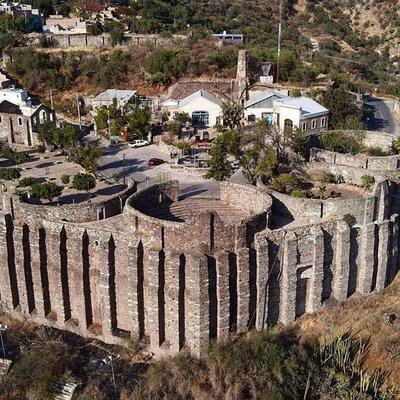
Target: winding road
<point x="383" y="120"/>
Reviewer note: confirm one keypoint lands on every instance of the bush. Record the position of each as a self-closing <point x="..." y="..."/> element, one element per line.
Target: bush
<point x="21" y="158"/>
<point x="323" y="177"/>
<point x="285" y="183"/>
<point x="65" y="178"/>
<point x="8" y="174"/>
<point x="367" y="181"/>
<point x="350" y="219"/>
<point x="298" y="193"/>
<point x="83" y="181"/>
<point x="47" y="190"/>
<point x="8" y="153"/>
<point x="342" y="143"/>
<point x="27" y="181"/>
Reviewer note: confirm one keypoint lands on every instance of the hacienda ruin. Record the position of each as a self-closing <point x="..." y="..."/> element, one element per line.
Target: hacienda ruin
<point x="178" y="272"/>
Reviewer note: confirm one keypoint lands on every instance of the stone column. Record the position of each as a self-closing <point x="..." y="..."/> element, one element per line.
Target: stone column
<point x="75" y="279"/>
<point x="243" y="288"/>
<point x="102" y="250"/>
<point x="197" y="318"/>
<point x="19" y="267"/>
<point x="54" y="273"/>
<point x="289" y="279"/>
<point x="383" y="255"/>
<point x="36" y="273"/>
<point x="5" y="281"/>
<point x="341" y="274"/>
<point x="151" y="299"/>
<point x="172" y="301"/>
<point x="222" y="264"/>
<point x="132" y="292"/>
<point x="317" y="274"/>
<point x="394" y="253"/>
<point x="261" y="245"/>
<point x="367" y="249"/>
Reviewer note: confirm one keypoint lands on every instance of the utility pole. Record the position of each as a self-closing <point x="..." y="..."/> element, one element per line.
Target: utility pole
<point x="123" y="170"/>
<point x="279" y="41"/>
<point x="78" y="105"/>
<point x="51" y="99"/>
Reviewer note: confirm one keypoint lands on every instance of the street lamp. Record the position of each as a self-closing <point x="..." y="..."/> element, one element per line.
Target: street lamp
<point x="2" y="329"/>
<point x="109" y="360"/>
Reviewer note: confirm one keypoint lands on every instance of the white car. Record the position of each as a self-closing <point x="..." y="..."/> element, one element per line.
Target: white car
<point x="138" y="143"/>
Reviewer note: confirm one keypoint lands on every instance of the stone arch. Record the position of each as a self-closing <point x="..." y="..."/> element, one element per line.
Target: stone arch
<point x="288" y="126"/>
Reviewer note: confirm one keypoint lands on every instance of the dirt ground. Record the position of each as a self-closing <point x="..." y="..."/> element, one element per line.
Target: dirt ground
<point x="375" y="318"/>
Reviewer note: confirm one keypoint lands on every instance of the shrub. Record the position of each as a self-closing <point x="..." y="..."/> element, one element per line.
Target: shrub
<point x="65" y="178"/>
<point x="323" y="177"/>
<point x="367" y="181"/>
<point x="350" y="219"/>
<point x="8" y="174"/>
<point x="342" y="143"/>
<point x="376" y="151"/>
<point x="83" y="181"/>
<point x="21" y="158"/>
<point x="285" y="183"/>
<point x="47" y="190"/>
<point x="298" y="193"/>
<point x="8" y="153"/>
<point x="27" y="181"/>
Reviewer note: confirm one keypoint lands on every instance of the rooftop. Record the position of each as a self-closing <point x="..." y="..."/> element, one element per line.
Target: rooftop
<point x="307" y="105"/>
<point x="119" y="95"/>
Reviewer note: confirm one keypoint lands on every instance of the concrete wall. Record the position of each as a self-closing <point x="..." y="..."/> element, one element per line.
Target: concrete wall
<point x="180" y="284"/>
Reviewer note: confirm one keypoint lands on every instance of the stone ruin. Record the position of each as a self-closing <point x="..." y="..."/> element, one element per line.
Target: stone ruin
<point x="177" y="272"/>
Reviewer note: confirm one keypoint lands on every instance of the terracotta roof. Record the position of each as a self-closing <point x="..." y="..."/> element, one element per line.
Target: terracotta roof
<point x="9" y="108"/>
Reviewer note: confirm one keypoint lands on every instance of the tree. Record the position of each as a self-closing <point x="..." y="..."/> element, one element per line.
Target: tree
<point x="220" y="167"/>
<point x="9" y="174"/>
<point x="46" y="190"/>
<point x="83" y="181"/>
<point x="138" y="123"/>
<point x="182" y="117"/>
<point x="46" y="133"/>
<point x="232" y="115"/>
<point x="88" y="156"/>
<point x="117" y="32"/>
<point x="65" y="178"/>
<point x="342" y="142"/>
<point x="66" y="136"/>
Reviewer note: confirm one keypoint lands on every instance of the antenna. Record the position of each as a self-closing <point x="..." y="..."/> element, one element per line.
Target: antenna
<point x="279" y="41"/>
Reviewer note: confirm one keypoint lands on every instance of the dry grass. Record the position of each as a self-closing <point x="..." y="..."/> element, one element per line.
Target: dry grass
<point x="375" y="318"/>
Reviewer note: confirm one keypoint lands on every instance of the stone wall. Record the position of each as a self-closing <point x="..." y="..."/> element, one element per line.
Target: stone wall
<point x="381" y="163"/>
<point x="178" y="284"/>
<point x="85" y="40"/>
<point x="396" y="109"/>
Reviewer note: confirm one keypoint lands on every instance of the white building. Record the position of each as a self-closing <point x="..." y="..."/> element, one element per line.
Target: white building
<point x="229" y="37"/>
<point x="58" y="24"/>
<point x="123" y="97"/>
<point x="204" y="109"/>
<point x="287" y="112"/>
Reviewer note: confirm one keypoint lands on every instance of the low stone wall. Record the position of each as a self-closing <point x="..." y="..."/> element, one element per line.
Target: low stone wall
<point x="365" y="209"/>
<point x="85" y="40"/>
<point x="381" y="163"/>
<point x="189" y="170"/>
<point x="81" y="212"/>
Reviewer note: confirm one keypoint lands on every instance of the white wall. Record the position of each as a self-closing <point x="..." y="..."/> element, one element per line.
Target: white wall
<point x="292" y="113"/>
<point x="257" y="112"/>
<point x="202" y="104"/>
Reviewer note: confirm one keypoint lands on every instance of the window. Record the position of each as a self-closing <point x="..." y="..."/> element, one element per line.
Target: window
<point x="304" y="126"/>
<point x="20" y="121"/>
<point x="288" y="126"/>
<point x="200" y="118"/>
<point x="251" y="118"/>
<point x="313" y="123"/>
<point x="269" y="117"/>
<point x="323" y="122"/>
<point x="1" y="119"/>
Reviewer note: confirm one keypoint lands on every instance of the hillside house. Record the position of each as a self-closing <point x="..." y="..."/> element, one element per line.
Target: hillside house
<point x="204" y="108"/>
<point x="287" y="112"/>
<point x="122" y="97"/>
<point x="20" y="116"/>
<point x="58" y="24"/>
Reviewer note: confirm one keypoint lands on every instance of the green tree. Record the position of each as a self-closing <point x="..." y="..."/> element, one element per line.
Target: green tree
<point x="46" y="190"/>
<point x="9" y="174"/>
<point x="117" y="32"/>
<point x="138" y="123"/>
<point x="88" y="156"/>
<point x="220" y="166"/>
<point x="83" y="181"/>
<point x="46" y="133"/>
<point x="232" y="115"/>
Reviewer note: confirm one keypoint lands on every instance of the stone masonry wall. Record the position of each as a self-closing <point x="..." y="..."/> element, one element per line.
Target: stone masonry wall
<point x="182" y="284"/>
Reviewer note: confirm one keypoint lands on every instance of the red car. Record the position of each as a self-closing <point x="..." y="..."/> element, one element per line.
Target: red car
<point x="155" y="161"/>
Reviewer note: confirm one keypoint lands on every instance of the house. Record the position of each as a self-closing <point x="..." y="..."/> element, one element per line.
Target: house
<point x="58" y="24"/>
<point x="204" y="108"/>
<point x="287" y="112"/>
<point x="122" y="97"/>
<point x="229" y="37"/>
<point x="20" y="116"/>
<point x="16" y="10"/>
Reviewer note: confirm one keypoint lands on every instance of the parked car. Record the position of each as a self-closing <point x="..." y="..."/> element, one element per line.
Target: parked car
<point x="138" y="143"/>
<point x="155" y="161"/>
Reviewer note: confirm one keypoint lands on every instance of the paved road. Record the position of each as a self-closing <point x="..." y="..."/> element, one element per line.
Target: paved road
<point x="383" y="118"/>
<point x="112" y="163"/>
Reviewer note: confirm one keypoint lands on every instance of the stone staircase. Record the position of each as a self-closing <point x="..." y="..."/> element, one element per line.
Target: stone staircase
<point x="185" y="209"/>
